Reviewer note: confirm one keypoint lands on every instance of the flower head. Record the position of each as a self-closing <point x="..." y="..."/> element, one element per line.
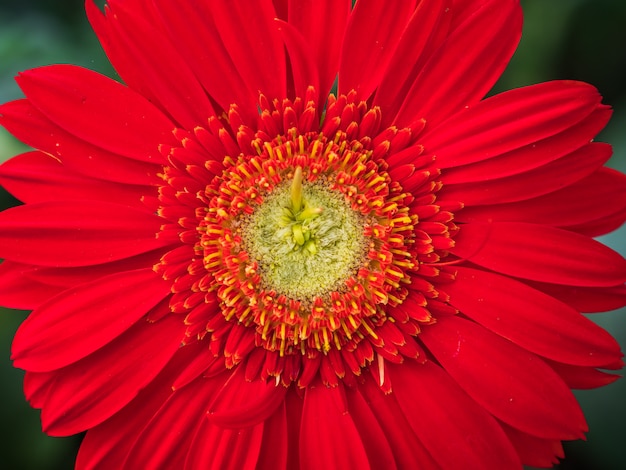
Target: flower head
<point x="232" y="266"/>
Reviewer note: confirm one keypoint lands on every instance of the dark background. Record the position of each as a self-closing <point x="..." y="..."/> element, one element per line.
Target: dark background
<point x="575" y="39"/>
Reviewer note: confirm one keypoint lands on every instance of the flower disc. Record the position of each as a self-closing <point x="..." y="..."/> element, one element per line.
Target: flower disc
<point x="309" y="244"/>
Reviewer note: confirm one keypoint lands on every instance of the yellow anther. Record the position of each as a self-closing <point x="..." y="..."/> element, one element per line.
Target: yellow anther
<point x="311" y="247"/>
<point x="298" y="236"/>
<point x="309" y="213"/>
<point x="296" y="191"/>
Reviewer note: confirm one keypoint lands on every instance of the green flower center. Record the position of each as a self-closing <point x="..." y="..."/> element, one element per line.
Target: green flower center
<point x="306" y="239"/>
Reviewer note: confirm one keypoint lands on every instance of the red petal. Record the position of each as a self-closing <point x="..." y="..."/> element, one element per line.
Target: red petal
<point x="90" y="391"/>
<point x="596" y="228"/>
<point x="18" y="291"/>
<point x="294" y="404"/>
<point x="240" y="403"/>
<point x="329" y="437"/>
<point x="250" y="35"/>
<point x="163" y="71"/>
<point x="596" y="196"/>
<point x="511" y="120"/>
<point x="37" y="386"/>
<point x="304" y="70"/>
<point x="26" y="123"/>
<point x="274" y="448"/>
<point x="216" y="448"/>
<point x="467" y="65"/>
<point x="587" y="299"/>
<point x="106" y="445"/>
<point x="531" y="319"/>
<point x="371" y="37"/>
<point x="38" y="177"/>
<point x="59" y="332"/>
<point x="202" y="360"/>
<point x="77" y="233"/>
<point x="408" y="451"/>
<point x="540" y="253"/>
<point x="192" y="30"/>
<point x="373" y="437"/>
<point x="454" y="428"/>
<point x="323" y="25"/>
<point x="424" y="33"/>
<point x="67" y="278"/>
<point x="583" y="378"/>
<point x="551" y="177"/>
<point x="172" y="427"/>
<point x="115" y="49"/>
<point x="510" y="383"/>
<point x="534" y="451"/>
<point x="532" y="155"/>
<point x="98" y="110"/>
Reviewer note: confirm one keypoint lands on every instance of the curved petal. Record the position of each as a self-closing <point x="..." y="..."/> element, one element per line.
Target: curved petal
<point x="249" y="33"/>
<point x="59" y="332"/>
<point x="531" y="319"/>
<point x="107" y="444"/>
<point x="77" y="233"/>
<point x="408" y="450"/>
<point x="512" y="384"/>
<point x="191" y="28"/>
<point x="37" y="386"/>
<point x="339" y="445"/>
<point x="597" y="196"/>
<point x="304" y="70"/>
<point x="294" y="404"/>
<point x="537" y="182"/>
<point x="275" y="445"/>
<point x="20" y="292"/>
<point x="424" y="33"/>
<point x="38" y="177"/>
<point x="172" y="427"/>
<point x="371" y="37"/>
<point x="157" y="63"/>
<point x="114" y="48"/>
<point x="68" y="278"/>
<point x="240" y="403"/>
<point x="534" y="451"/>
<point x="511" y="120"/>
<point x="540" y="253"/>
<point x="532" y="155"/>
<point x="586" y="299"/>
<point x="466" y="66"/>
<point x="599" y="227"/>
<point x="197" y="366"/>
<point x="323" y="25"/>
<point x="30" y="126"/>
<point x="584" y="378"/>
<point x="90" y="391"/>
<point x="98" y="110"/>
<point x="215" y="448"/>
<point x="374" y="438"/>
<point x="457" y="432"/>
<point x="176" y="87"/>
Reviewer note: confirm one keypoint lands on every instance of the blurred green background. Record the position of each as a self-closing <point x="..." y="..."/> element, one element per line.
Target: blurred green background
<point x="575" y="39"/>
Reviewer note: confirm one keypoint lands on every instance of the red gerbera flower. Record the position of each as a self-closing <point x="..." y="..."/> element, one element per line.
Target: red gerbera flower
<point x="230" y="266"/>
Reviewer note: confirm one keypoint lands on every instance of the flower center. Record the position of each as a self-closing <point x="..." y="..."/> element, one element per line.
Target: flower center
<point x="306" y="240"/>
<point x="314" y="251"/>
